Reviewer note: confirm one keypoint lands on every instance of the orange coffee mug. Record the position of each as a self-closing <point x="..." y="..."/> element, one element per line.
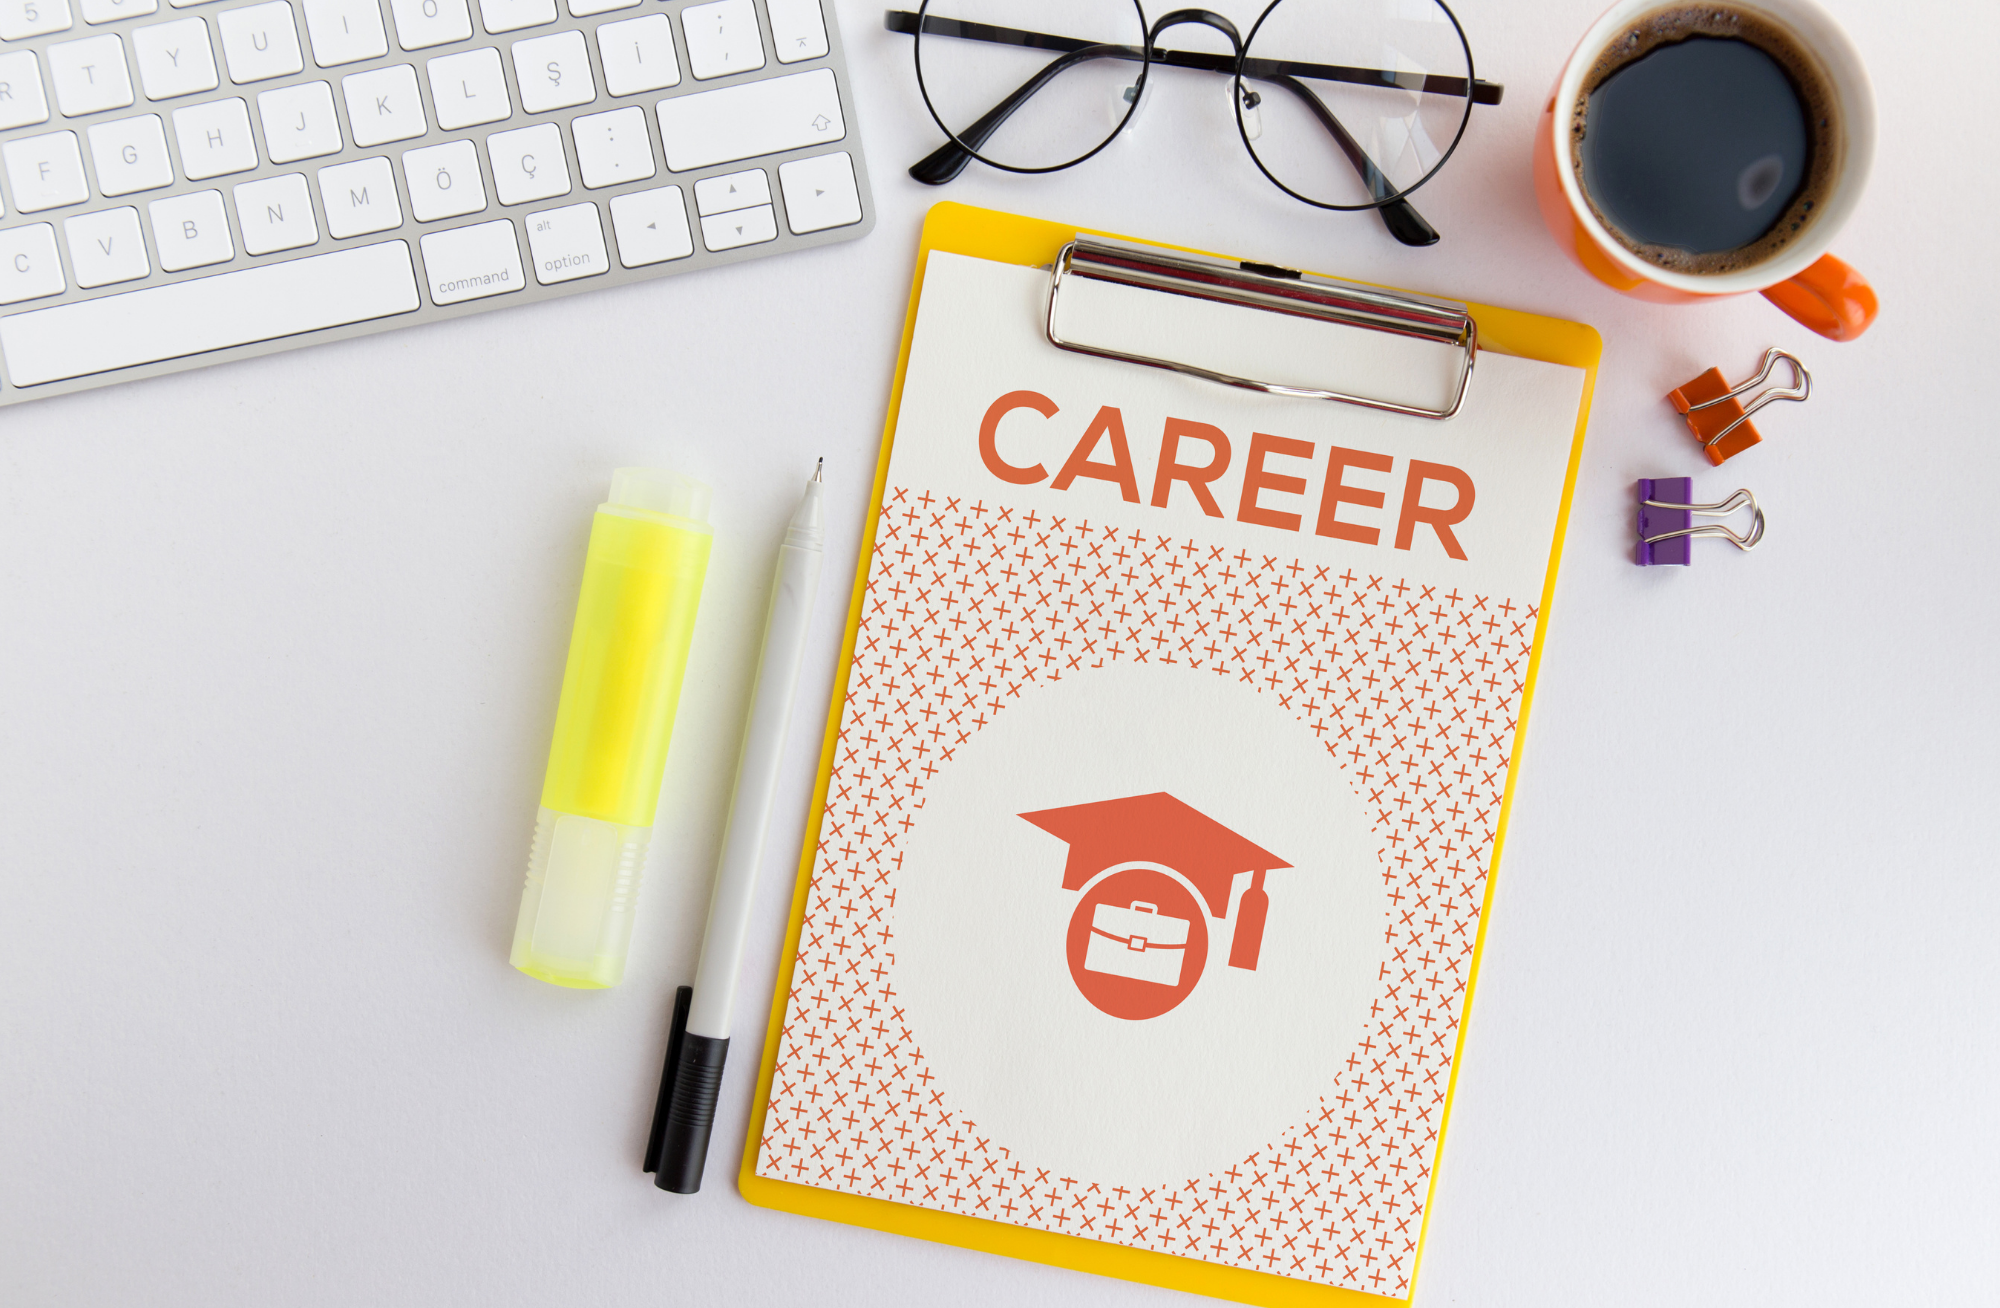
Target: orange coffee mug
<point x="1801" y="278"/>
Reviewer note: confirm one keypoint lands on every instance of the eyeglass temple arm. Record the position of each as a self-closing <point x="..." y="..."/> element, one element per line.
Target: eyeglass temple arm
<point x="1483" y="91"/>
<point x="1402" y="220"/>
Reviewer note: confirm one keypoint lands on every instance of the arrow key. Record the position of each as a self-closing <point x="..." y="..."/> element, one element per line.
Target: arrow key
<point x="731" y="191"/>
<point x="820" y="192"/>
<point x="726" y="231"/>
<point x="651" y="226"/>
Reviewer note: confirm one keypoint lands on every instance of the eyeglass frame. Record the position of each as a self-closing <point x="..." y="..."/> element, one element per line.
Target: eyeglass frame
<point x="1398" y="215"/>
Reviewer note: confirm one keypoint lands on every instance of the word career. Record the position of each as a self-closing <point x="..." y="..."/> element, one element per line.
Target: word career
<point x="1261" y="484"/>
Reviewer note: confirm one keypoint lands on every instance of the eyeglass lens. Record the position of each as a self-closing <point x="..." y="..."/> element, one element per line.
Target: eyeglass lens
<point x="974" y="57"/>
<point x="1357" y="100"/>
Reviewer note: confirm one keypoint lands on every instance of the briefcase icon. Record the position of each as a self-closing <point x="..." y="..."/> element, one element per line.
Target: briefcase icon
<point x="1137" y="942"/>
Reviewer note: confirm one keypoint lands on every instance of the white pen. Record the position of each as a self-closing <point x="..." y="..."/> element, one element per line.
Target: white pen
<point x="677" y="1146"/>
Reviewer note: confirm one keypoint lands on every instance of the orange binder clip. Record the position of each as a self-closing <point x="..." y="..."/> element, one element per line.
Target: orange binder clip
<point x="1719" y="420"/>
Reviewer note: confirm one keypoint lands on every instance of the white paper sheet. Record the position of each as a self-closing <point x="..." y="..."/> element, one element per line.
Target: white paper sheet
<point x="1054" y="626"/>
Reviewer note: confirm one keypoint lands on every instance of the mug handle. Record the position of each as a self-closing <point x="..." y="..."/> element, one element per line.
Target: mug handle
<point x="1829" y="297"/>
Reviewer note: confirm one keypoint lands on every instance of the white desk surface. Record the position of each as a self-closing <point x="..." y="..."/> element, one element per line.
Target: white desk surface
<point x="280" y="642"/>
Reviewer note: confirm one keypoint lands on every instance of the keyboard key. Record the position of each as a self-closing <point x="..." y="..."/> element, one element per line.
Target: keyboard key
<point x="722" y="38"/>
<point x="174" y="58"/>
<point x="613" y="147"/>
<point x="470" y="263"/>
<point x="421" y="24"/>
<point x="726" y="231"/>
<point x="638" y="55"/>
<point x="90" y="75"/>
<point x="29" y="265"/>
<point x="21" y="99"/>
<point x="553" y="72"/>
<point x="468" y="89"/>
<point x="105" y="248"/>
<point x="651" y="226"/>
<point x="360" y="198"/>
<point x="260" y="42"/>
<point x="383" y="105"/>
<point x="21" y="19"/>
<point x="568" y="243"/>
<point x="585" y="8"/>
<point x="190" y="231"/>
<point x="797" y="29"/>
<point x="820" y="193"/>
<point x="741" y="122"/>
<point x="444" y="181"/>
<point x="731" y="191"/>
<point x="131" y="155"/>
<point x="513" y="15"/>
<point x="299" y="122"/>
<point x="214" y="139"/>
<point x="110" y="11"/>
<point x="345" y="31"/>
<point x="528" y="164"/>
<point x="45" y="172"/>
<point x="276" y="213"/>
<point x="209" y="313"/>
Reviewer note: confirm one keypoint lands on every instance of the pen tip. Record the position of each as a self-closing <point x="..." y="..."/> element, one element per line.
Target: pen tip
<point x="819" y="468"/>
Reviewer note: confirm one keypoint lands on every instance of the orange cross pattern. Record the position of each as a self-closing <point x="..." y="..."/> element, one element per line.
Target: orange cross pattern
<point x="1415" y="693"/>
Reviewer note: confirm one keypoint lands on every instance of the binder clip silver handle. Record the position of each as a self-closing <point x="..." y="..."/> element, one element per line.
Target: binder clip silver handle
<point x="1800" y="388"/>
<point x="1666" y="520"/>
<point x="1721" y="509"/>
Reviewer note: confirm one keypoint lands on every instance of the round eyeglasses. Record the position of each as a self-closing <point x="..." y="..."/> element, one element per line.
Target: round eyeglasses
<point x="1343" y="104"/>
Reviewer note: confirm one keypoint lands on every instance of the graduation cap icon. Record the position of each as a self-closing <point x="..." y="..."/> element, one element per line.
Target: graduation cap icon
<point x="1160" y="829"/>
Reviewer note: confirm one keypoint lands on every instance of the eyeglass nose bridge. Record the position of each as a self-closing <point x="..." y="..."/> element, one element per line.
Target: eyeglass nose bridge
<point x="1198" y="17"/>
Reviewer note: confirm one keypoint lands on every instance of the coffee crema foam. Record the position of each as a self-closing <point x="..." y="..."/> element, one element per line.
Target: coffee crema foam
<point x="1648" y="33"/>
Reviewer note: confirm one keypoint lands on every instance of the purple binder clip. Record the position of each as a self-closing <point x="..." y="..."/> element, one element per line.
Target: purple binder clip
<point x="1666" y="520"/>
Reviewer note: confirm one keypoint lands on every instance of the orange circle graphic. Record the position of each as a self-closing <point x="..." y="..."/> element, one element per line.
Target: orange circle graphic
<point x="1137" y="943"/>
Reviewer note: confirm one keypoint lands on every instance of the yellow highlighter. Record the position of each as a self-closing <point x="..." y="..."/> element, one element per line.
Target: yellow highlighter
<point x="627" y="654"/>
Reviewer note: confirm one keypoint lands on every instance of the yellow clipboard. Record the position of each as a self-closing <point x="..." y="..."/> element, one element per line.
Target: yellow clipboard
<point x="1031" y="242"/>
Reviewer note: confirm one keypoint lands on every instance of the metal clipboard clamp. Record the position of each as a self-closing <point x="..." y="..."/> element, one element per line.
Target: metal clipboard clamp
<point x="1262" y="286"/>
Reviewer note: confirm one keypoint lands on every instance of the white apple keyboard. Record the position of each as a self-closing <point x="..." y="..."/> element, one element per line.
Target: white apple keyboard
<point x="188" y="181"/>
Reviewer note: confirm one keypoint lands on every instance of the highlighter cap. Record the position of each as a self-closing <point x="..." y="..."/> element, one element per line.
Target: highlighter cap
<point x="577" y="908"/>
<point x="657" y="490"/>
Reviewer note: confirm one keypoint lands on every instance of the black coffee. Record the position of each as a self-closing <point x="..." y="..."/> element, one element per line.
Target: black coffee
<point x="1704" y="139"/>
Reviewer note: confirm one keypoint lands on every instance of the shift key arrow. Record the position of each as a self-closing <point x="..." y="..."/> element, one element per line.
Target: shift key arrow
<point x="741" y="122"/>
